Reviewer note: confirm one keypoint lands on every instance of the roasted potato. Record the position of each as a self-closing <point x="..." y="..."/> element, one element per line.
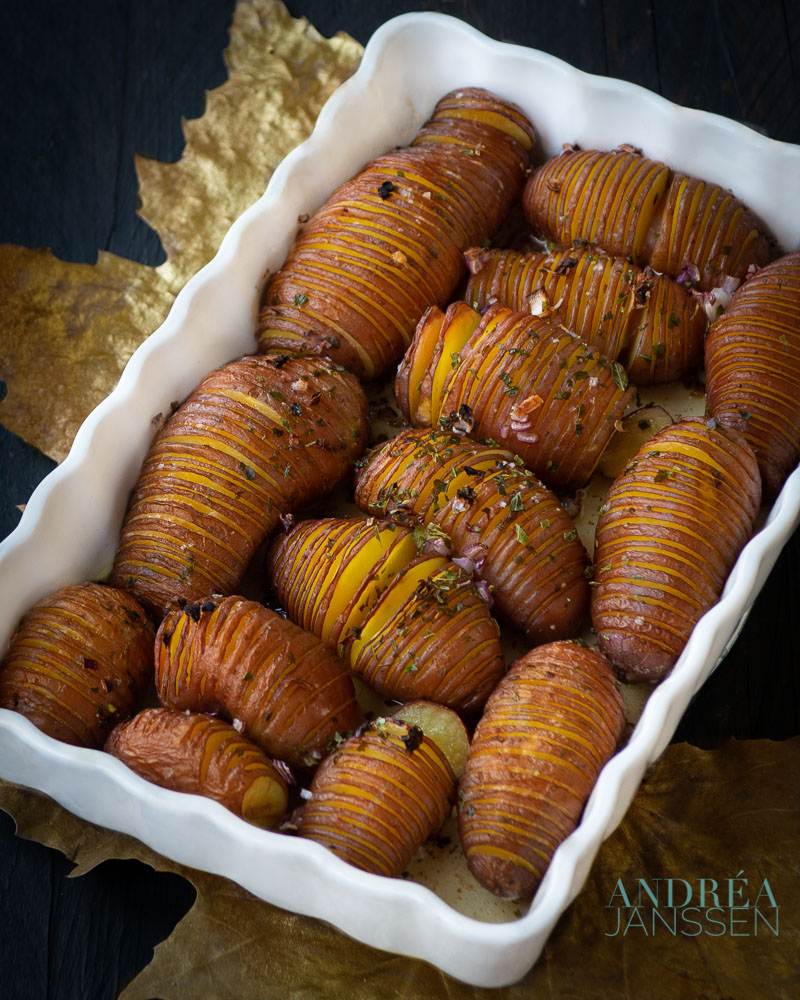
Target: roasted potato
<point x="379" y="796"/>
<point x="670" y="530"/>
<point x="639" y="208"/>
<point x="78" y="662"/>
<point x="495" y="514"/>
<point x="388" y="243"/>
<point x="286" y="691"/>
<point x="188" y="752"/>
<point x="547" y="730"/>
<point x="255" y="439"/>
<point x="644" y="320"/>
<point x="531" y="386"/>
<point x="753" y="368"/>
<point x="412" y="626"/>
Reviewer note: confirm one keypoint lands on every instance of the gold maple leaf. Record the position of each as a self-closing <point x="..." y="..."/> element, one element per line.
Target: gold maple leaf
<point x="68" y="329"/>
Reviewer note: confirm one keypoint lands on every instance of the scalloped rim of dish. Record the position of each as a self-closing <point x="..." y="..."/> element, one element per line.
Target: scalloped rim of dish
<point x="407" y="65"/>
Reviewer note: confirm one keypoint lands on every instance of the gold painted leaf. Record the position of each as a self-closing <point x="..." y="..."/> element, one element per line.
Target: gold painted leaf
<point x="698" y="815"/>
<point x="68" y="329"/>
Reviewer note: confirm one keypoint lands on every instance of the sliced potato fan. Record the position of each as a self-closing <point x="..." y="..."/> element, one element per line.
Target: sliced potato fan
<point x="548" y="728"/>
<point x="286" y="691"/>
<point x="411" y="626"/>
<point x="524" y="382"/>
<point x="639" y="208"/>
<point x="495" y="516"/>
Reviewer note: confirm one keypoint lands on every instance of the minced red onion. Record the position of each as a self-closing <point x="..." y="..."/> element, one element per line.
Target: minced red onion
<point x="484" y="592"/>
<point x="285" y="771"/>
<point x="437" y="546"/>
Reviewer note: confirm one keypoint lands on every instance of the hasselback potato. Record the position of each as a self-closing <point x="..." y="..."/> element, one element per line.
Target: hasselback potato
<point x="286" y="690"/>
<point x="495" y="514"/>
<point x="753" y="367"/>
<point x="189" y="752"/>
<point x="388" y="243"/>
<point x="526" y="383"/>
<point x="379" y="796"/>
<point x="670" y="530"/>
<point x="547" y="730"/>
<point x="255" y="439"/>
<point x="410" y="625"/>
<point x="635" y="207"/>
<point x="78" y="662"/>
<point x="644" y="320"/>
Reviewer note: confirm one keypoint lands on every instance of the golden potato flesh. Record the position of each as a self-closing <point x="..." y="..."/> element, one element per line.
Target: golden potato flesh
<point x="496" y="517"/>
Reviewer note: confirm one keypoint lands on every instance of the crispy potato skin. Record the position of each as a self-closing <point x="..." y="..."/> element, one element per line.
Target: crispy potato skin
<point x="379" y="796"/>
<point x="290" y="694"/>
<point x="78" y="662"/>
<point x="389" y="242"/>
<point x="753" y="368"/>
<point x="547" y="730"/>
<point x="672" y="528"/>
<point x="439" y="642"/>
<point x="189" y="752"/>
<point x="442" y="645"/>
<point x="531" y="386"/>
<point x="644" y="320"/>
<point x="255" y="439"/>
<point x="635" y="207"/>
<point x="502" y="518"/>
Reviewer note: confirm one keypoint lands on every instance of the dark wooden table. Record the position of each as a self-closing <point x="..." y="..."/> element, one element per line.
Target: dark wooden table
<point x="85" y="86"/>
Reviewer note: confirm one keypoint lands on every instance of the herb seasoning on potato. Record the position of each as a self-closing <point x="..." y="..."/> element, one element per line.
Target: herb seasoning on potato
<point x="501" y="524"/>
<point x="379" y="796"/>
<point x="388" y="243"/>
<point x="255" y="439"/>
<point x="644" y="320"/>
<point x="410" y="625"/>
<point x="526" y="383"/>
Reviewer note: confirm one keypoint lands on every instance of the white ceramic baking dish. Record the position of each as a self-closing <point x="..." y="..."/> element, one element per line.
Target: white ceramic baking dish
<point x="69" y="530"/>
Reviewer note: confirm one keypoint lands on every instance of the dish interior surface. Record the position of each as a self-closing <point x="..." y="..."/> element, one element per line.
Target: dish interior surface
<point x="408" y="65"/>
